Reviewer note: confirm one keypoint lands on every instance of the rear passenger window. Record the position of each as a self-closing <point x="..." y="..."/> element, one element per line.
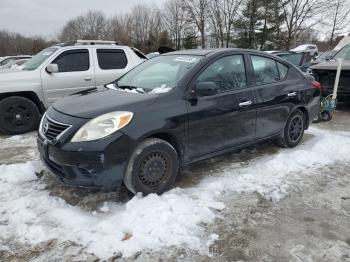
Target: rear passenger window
<point x="265" y="70"/>
<point x="282" y="70"/>
<point x="73" y="61"/>
<point x="227" y="72"/>
<point x="111" y="59"/>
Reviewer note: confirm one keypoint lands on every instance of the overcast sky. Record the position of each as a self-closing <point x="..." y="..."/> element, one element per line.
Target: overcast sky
<point x="46" y="17"/>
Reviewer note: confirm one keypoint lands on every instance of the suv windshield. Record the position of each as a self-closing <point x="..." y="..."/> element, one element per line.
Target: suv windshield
<point x="343" y="53"/>
<point x="39" y="58"/>
<point x="158" y="74"/>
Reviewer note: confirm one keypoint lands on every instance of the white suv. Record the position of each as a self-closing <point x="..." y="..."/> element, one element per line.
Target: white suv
<point x="58" y="71"/>
<point x="312" y="49"/>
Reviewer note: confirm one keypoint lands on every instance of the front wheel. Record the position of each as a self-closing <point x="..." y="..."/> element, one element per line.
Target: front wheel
<point x="18" y="115"/>
<point x="294" y="130"/>
<point x="152" y="168"/>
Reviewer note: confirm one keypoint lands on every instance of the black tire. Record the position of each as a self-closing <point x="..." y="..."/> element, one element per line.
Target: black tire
<point x="152" y="168"/>
<point x="294" y="130"/>
<point x="326" y="116"/>
<point x="18" y="115"/>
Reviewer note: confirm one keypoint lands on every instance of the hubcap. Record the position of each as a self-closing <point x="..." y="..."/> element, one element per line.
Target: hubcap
<point x="17" y="116"/>
<point x="296" y="128"/>
<point x="154" y="169"/>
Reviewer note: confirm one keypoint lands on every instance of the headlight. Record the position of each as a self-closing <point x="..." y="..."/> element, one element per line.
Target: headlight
<point x="102" y="126"/>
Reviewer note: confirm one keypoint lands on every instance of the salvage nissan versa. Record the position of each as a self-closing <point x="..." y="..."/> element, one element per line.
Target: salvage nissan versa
<point x="173" y="110"/>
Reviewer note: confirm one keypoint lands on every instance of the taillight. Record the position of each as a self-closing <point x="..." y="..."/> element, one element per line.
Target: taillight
<point x="316" y="85"/>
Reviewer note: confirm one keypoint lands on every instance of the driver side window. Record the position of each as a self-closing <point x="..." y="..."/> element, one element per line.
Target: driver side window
<point x="73" y="61"/>
<point x="227" y="72"/>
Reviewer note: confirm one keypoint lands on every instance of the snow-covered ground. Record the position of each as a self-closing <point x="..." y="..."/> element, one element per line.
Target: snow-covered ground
<point x="31" y="213"/>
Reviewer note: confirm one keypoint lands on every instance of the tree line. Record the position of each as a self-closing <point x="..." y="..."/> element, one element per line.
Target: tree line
<point x="184" y="24"/>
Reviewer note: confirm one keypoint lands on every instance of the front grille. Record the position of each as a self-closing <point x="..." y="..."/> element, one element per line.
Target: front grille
<point x="51" y="129"/>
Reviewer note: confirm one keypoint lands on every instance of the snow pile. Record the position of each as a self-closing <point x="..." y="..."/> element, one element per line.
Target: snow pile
<point x="271" y="175"/>
<point x="176" y="218"/>
<point x="144" y="222"/>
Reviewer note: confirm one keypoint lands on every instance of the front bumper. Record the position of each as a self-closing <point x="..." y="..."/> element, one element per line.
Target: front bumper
<point x="97" y="164"/>
<point x="84" y="169"/>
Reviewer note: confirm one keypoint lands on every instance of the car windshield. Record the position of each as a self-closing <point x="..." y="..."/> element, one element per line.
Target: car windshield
<point x="5" y="61"/>
<point x="39" y="58"/>
<point x="295" y="59"/>
<point x="159" y="74"/>
<point x="324" y="56"/>
<point x="343" y="53"/>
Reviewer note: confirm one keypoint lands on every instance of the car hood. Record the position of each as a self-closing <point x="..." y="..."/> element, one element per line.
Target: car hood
<point x="15" y="75"/>
<point x="97" y="101"/>
<point x="331" y="65"/>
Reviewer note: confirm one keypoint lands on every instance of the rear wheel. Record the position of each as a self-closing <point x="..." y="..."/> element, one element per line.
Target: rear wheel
<point x="152" y="168"/>
<point x="294" y="130"/>
<point x="18" y="115"/>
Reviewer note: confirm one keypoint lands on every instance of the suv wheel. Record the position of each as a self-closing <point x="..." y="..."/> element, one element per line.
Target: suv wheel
<point x="294" y="130"/>
<point x="152" y="168"/>
<point x="18" y="115"/>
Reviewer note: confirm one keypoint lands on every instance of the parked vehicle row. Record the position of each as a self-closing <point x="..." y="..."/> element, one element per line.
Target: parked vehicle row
<point x="55" y="72"/>
<point x="173" y="110"/>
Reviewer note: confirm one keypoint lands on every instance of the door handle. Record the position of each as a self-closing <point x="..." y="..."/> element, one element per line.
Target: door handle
<point x="292" y="94"/>
<point x="88" y="78"/>
<point x="245" y="103"/>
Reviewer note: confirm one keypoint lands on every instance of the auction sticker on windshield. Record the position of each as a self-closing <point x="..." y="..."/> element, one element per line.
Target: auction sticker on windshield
<point x="186" y="59"/>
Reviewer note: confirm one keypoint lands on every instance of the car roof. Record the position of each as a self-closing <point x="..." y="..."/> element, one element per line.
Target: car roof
<point x="288" y="53"/>
<point x="89" y="46"/>
<point x="205" y="52"/>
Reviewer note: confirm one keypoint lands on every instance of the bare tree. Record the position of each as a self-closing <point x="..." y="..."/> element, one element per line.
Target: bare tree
<point x="300" y="14"/>
<point x="91" y="25"/>
<point x="140" y="16"/>
<point x="198" y="13"/>
<point x="223" y="13"/>
<point x="175" y="20"/>
<point x="118" y="29"/>
<point x="339" y="17"/>
<point x="17" y="44"/>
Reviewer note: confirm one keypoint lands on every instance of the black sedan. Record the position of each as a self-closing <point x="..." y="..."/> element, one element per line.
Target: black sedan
<point x="173" y="110"/>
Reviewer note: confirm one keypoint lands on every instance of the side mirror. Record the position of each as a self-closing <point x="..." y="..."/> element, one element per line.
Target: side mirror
<point x="52" y="68"/>
<point x="206" y="88"/>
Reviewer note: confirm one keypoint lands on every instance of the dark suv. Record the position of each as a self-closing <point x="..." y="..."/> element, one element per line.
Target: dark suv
<point x="173" y="110"/>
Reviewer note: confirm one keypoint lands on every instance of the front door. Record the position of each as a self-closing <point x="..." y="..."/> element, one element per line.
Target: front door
<point x="75" y="73"/>
<point x="226" y="119"/>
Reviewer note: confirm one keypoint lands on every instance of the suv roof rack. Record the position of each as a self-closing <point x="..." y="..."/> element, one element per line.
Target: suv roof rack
<point x="87" y="42"/>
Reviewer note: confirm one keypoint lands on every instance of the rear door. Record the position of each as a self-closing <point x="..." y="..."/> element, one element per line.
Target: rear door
<point x="75" y="73"/>
<point x="110" y="64"/>
<point x="226" y="119"/>
<point x="277" y="93"/>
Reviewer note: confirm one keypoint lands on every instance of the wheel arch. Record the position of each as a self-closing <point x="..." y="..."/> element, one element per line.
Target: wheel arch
<point x="32" y="96"/>
<point x="306" y="114"/>
<point x="172" y="140"/>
